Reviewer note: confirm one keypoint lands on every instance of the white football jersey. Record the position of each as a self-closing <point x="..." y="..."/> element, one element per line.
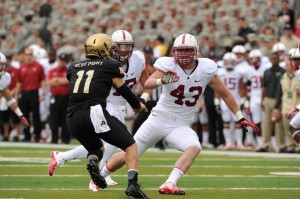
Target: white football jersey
<point x="136" y="65"/>
<point x="4" y="81"/>
<point x="255" y="77"/>
<point x="298" y="75"/>
<point x="180" y="99"/>
<point x="231" y="80"/>
<point x="243" y="68"/>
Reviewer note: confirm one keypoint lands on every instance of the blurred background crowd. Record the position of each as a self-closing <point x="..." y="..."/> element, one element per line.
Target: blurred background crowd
<point x="56" y="31"/>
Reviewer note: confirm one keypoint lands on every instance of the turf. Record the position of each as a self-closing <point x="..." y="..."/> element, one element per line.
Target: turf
<point x="215" y="174"/>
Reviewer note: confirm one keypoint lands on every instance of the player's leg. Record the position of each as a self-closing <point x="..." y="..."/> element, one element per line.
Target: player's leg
<point x="256" y="115"/>
<point x="295" y="128"/>
<point x="227" y="132"/>
<point x="183" y="139"/>
<point x="80" y="124"/>
<point x="120" y="137"/>
<point x="4" y="116"/>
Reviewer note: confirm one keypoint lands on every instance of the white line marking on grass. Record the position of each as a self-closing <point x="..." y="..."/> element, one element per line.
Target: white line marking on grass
<point x="286" y="173"/>
<point x="214" y="152"/>
<point x="159" y="166"/>
<point x="163" y="175"/>
<point x="27" y="159"/>
<point x="155" y="188"/>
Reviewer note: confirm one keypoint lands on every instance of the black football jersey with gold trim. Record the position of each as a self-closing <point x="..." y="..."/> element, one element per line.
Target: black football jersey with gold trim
<point x="90" y="82"/>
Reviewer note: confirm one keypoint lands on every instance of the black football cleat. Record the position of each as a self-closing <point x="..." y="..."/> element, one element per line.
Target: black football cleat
<point x="135" y="192"/>
<point x="93" y="168"/>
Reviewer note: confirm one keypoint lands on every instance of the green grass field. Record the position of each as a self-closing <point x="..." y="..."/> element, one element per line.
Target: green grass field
<point x="215" y="174"/>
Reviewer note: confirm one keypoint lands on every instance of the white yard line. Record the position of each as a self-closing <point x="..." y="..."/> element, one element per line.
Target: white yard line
<point x="273" y="175"/>
<point x="39" y="160"/>
<point x="154" y="150"/>
<point x="155" y="188"/>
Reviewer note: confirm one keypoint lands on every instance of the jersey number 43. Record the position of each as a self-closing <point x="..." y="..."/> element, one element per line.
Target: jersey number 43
<point x="179" y="94"/>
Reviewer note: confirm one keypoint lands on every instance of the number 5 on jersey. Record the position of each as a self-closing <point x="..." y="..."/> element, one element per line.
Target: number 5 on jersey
<point x="87" y="83"/>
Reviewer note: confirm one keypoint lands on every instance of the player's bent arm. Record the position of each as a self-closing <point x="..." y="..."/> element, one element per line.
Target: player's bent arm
<point x="218" y="86"/>
<point x="11" y="102"/>
<point x="125" y="92"/>
<point x="144" y="77"/>
<point x="153" y="81"/>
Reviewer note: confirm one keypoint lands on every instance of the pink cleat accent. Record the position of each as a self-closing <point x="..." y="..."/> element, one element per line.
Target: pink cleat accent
<point x="93" y="187"/>
<point x="56" y="161"/>
<point x="170" y="188"/>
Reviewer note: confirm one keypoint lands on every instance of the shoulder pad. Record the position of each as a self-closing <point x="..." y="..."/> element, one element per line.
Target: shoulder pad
<point x="208" y="65"/>
<point x="165" y="64"/>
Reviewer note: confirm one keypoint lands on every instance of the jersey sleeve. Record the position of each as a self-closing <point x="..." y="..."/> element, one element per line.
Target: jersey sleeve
<point x="164" y="64"/>
<point x="141" y="59"/>
<point x="5" y="81"/>
<point x="210" y="68"/>
<point x="115" y="69"/>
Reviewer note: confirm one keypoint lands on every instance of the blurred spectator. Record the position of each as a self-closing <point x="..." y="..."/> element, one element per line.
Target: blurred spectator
<point x="297" y="28"/>
<point x="286" y="14"/>
<point x="160" y="49"/>
<point x="58" y="83"/>
<point x="289" y="39"/>
<point x="244" y="30"/>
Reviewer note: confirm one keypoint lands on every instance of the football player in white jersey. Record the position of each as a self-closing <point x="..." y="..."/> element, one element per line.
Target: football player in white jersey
<point x="295" y="121"/>
<point x="232" y="79"/>
<point x="255" y="75"/>
<point x="134" y="67"/>
<point x="184" y="78"/>
<point x="4" y="83"/>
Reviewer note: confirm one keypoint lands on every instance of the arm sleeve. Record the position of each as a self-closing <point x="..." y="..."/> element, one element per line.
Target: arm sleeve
<point x="278" y="97"/>
<point x="129" y="96"/>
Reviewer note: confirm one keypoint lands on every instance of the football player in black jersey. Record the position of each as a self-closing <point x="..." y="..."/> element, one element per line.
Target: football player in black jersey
<point x="87" y="118"/>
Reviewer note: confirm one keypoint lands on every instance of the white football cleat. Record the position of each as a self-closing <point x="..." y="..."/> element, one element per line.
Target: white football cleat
<point x="110" y="181"/>
<point x="170" y="188"/>
<point x="93" y="187"/>
<point x="56" y="161"/>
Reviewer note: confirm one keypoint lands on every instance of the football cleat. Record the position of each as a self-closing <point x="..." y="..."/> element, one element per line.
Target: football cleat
<point x="110" y="181"/>
<point x="241" y="147"/>
<point x="93" y="187"/>
<point x="56" y="161"/>
<point x="93" y="168"/>
<point x="135" y="192"/>
<point x="170" y="188"/>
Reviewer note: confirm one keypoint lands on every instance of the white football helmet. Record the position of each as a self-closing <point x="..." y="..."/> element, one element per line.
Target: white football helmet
<point x="2" y="63"/>
<point x="239" y="51"/>
<point x="291" y="51"/>
<point x="280" y="49"/>
<point x="124" y="42"/>
<point x="185" y="49"/>
<point x="229" y="60"/>
<point x="296" y="58"/>
<point x="255" y="57"/>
